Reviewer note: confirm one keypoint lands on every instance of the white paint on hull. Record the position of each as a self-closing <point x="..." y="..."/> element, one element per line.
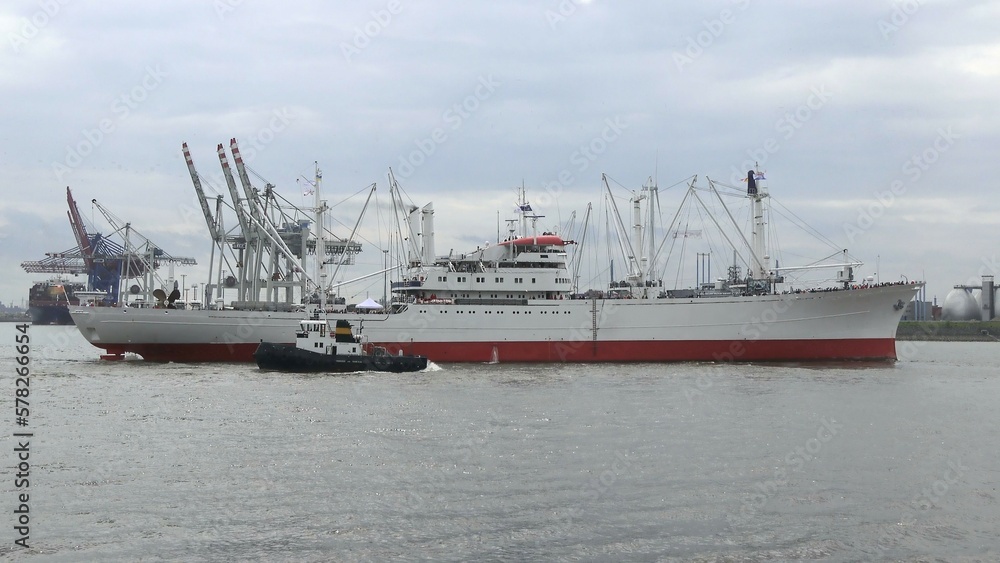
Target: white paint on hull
<point x="847" y="314"/>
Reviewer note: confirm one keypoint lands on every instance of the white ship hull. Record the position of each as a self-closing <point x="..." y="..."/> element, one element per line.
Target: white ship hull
<point x="855" y="324"/>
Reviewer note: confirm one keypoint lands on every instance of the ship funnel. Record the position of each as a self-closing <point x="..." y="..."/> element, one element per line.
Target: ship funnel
<point x="414" y="253"/>
<point x="427" y="233"/>
<point x="342" y="332"/>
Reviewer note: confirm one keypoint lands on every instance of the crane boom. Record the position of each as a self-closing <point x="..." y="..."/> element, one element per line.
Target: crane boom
<point x="79" y="231"/>
<point x="212" y="227"/>
<point x="231" y="184"/>
<point x="119" y="225"/>
<point x="241" y="170"/>
<point x="255" y="242"/>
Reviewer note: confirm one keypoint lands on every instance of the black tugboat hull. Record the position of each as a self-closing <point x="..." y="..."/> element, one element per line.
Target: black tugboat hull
<point x="284" y="357"/>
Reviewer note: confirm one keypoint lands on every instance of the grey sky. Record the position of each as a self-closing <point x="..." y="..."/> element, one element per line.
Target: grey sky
<point x="837" y="100"/>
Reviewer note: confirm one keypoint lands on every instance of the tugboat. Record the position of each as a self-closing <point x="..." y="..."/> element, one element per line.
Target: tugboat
<point x="314" y="351"/>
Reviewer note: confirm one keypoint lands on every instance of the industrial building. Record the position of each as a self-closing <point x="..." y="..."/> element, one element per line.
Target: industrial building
<point x="971" y="302"/>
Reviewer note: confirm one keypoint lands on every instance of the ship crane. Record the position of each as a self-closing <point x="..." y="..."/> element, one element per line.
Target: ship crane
<point x="640" y="268"/>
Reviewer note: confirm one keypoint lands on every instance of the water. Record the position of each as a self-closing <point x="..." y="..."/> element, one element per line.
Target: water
<point x="642" y="462"/>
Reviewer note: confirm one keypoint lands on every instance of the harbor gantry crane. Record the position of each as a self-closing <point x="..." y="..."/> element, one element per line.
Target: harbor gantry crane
<point x="264" y="252"/>
<point x="141" y="258"/>
<point x="105" y="261"/>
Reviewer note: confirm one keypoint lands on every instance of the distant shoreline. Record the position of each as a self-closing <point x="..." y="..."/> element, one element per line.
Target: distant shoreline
<point x="949" y="331"/>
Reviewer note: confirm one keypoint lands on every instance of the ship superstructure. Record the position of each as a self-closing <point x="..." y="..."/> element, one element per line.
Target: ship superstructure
<point x="49" y="300"/>
<point x="526" y="266"/>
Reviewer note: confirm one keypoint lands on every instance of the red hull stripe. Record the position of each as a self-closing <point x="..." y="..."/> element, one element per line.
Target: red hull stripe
<point x="575" y="351"/>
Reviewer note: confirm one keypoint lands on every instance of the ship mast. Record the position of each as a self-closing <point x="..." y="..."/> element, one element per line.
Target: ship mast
<point x="637" y="274"/>
<point x="756" y="192"/>
<point x="320" y="241"/>
<point x="652" y="196"/>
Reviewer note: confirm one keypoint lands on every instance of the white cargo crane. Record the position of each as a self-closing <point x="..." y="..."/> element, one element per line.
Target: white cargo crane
<point x="215" y="227"/>
<point x="267" y="234"/>
<point x="256" y="232"/>
<point x="275" y="239"/>
<point x="149" y="255"/>
<point x="244" y="246"/>
<point x="268" y="245"/>
<point x="576" y="258"/>
<point x="626" y="244"/>
<point x="255" y="258"/>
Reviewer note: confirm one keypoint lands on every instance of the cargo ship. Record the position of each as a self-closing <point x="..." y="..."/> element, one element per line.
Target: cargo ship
<point x="516" y="301"/>
<point x="49" y="301"/>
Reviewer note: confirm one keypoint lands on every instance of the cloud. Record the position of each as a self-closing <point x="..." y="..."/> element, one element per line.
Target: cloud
<point x="226" y="73"/>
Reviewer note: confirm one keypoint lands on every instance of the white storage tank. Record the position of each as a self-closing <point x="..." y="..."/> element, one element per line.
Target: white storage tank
<point x="960" y="305"/>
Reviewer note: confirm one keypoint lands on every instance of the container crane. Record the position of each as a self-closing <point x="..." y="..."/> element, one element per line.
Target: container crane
<point x="140" y="256"/>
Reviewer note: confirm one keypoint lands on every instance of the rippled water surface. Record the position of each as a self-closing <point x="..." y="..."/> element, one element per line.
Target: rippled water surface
<point x="643" y="462"/>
